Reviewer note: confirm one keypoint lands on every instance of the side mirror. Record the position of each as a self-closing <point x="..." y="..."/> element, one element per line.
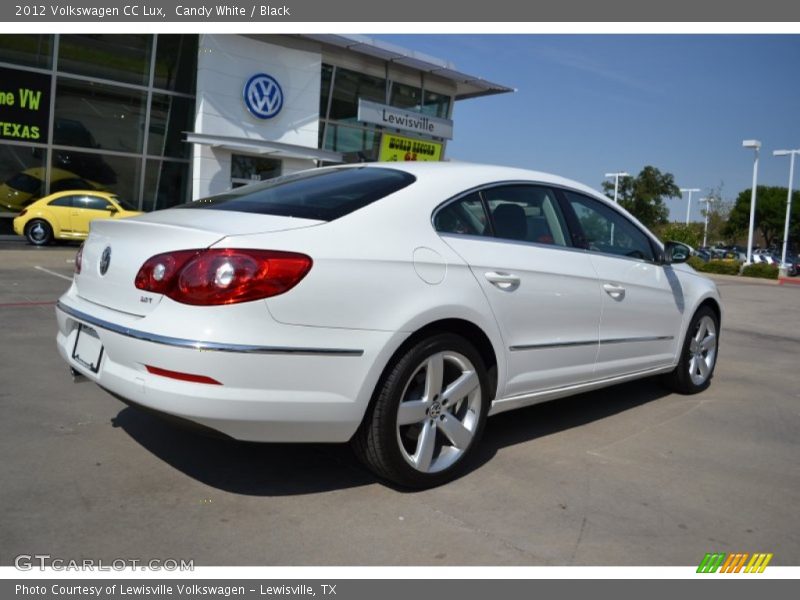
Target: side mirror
<point x="676" y="253"/>
<point x="112" y="209"/>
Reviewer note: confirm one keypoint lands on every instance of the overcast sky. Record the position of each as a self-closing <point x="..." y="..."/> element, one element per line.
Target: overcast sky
<point x="591" y="104"/>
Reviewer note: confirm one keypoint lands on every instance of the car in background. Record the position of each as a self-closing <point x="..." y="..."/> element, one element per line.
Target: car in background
<point x="703" y="254"/>
<point x="764" y="257"/>
<point x="396" y="307"/>
<point x="67" y="215"/>
<point x="27" y="186"/>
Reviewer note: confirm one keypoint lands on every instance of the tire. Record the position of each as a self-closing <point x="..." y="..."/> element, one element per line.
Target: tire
<point x="427" y="415"/>
<point x="38" y="232"/>
<point x="698" y="356"/>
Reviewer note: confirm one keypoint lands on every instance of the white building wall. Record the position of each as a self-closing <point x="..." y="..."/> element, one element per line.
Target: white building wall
<point x="224" y="64"/>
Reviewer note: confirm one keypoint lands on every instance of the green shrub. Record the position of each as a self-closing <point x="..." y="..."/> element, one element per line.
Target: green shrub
<point x="762" y="270"/>
<point x="724" y="266"/>
<point x="696" y="263"/>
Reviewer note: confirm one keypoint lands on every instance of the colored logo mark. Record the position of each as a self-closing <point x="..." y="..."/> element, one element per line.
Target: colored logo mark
<point x="263" y="96"/>
<point x="734" y="562"/>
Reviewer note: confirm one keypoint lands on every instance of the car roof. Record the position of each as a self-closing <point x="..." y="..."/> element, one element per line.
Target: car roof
<point x="449" y="179"/>
<point x="54" y="195"/>
<point x="465" y="175"/>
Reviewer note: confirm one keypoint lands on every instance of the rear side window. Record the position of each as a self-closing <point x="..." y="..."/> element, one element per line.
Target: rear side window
<point x="63" y="201"/>
<point x="324" y="194"/>
<point x="528" y="213"/>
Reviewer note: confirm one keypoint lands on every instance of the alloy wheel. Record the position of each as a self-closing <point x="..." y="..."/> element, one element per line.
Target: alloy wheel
<point x="439" y="412"/>
<point x="703" y="351"/>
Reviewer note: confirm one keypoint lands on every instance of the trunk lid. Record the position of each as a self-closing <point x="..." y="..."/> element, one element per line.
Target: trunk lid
<point x="132" y="241"/>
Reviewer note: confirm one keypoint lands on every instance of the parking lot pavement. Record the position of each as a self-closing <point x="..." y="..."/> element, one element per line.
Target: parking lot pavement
<point x="630" y="475"/>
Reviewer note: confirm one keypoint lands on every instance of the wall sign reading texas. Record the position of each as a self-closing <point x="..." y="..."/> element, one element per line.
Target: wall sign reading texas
<point x="24" y="105"/>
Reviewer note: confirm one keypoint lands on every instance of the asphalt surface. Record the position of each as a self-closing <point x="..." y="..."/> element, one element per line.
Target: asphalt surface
<point x="629" y="475"/>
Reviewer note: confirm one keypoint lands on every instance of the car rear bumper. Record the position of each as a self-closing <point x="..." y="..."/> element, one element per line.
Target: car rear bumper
<point x="287" y="391"/>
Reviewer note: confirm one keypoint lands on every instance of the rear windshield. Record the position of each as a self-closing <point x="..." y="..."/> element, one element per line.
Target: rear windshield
<point x="324" y="194"/>
<point x="25" y="183"/>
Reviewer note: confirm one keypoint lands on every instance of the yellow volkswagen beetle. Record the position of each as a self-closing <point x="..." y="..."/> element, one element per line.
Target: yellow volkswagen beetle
<point x="66" y="215"/>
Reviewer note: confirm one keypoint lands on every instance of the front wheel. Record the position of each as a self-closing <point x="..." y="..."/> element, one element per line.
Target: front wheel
<point x="427" y="414"/>
<point x="698" y="356"/>
<point x="39" y="233"/>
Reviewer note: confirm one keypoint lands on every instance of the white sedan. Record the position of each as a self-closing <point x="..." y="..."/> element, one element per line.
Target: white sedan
<point x="392" y="305"/>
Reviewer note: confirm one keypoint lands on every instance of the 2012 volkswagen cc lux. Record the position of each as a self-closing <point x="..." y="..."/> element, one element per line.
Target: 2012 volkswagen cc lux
<point x="392" y="305"/>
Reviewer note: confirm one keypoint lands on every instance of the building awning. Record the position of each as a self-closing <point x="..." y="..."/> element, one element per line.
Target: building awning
<point x="274" y="149"/>
<point x="467" y="86"/>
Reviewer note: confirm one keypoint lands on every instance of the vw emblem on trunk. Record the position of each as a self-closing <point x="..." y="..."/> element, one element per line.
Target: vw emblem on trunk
<point x="263" y="96"/>
<point x="105" y="260"/>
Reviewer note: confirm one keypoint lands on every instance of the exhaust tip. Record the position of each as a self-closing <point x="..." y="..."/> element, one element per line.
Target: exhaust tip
<point x="77" y="376"/>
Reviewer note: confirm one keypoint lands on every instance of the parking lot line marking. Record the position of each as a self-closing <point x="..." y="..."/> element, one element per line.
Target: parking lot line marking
<point x="53" y="273"/>
<point x="13" y="304"/>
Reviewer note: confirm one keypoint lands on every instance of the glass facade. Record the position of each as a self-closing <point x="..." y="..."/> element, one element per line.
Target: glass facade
<point x="115" y="121"/>
<point x="342" y="88"/>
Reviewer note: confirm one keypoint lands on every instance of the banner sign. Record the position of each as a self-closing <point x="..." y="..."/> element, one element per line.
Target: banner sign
<point x="24" y="105"/>
<point x="397" y="118"/>
<point x="395" y="148"/>
<point x="368" y="11"/>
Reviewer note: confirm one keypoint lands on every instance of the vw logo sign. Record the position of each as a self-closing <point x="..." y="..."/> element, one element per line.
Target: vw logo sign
<point x="105" y="260"/>
<point x="263" y="96"/>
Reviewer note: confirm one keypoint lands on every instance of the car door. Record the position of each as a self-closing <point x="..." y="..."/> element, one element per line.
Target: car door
<point x="544" y="294"/>
<point x="87" y="208"/>
<point x="61" y="211"/>
<point x="642" y="300"/>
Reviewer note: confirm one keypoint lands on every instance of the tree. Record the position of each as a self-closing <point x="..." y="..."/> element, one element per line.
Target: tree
<point x="718" y="212"/>
<point x="643" y="196"/>
<point x="691" y="234"/>
<point x="770" y="215"/>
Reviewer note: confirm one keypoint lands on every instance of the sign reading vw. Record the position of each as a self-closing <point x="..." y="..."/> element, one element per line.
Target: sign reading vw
<point x="263" y="96"/>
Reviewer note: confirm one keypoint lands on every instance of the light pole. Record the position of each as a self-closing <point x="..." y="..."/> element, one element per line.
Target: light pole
<point x="689" y="204"/>
<point x="616" y="177"/>
<point x="791" y="153"/>
<point x="755" y="145"/>
<point x="708" y="202"/>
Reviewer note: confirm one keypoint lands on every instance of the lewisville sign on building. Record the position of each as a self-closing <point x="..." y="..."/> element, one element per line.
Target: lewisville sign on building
<point x="24" y="105"/>
<point x="397" y="118"/>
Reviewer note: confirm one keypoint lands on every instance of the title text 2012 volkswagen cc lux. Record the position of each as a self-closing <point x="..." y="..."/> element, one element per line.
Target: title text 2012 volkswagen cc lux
<point x="393" y="305"/>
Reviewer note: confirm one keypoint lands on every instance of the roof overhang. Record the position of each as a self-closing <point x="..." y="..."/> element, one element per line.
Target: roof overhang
<point x="467" y="86"/>
<point x="251" y="146"/>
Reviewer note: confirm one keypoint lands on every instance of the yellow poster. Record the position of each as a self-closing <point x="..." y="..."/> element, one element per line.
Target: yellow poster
<point x="396" y="148"/>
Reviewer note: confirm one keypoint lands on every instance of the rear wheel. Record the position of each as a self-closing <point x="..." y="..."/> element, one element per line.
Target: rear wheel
<point x="38" y="232"/>
<point x="427" y="415"/>
<point x="698" y="356"/>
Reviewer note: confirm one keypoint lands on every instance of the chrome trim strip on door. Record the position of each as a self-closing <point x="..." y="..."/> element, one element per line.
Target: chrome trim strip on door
<point x="553" y="345"/>
<point x="198" y="344"/>
<point x="656" y="338"/>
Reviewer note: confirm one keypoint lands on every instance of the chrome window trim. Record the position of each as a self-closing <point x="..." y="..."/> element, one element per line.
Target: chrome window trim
<point x="202" y="346"/>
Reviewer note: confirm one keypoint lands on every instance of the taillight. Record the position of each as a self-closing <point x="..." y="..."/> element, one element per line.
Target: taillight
<point x="23" y="212"/>
<point x="79" y="260"/>
<point x="222" y="275"/>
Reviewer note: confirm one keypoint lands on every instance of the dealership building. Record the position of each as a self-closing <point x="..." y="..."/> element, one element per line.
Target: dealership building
<point x="162" y="119"/>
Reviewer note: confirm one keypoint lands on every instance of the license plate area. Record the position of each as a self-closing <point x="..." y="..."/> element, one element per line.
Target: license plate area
<point x="88" y="349"/>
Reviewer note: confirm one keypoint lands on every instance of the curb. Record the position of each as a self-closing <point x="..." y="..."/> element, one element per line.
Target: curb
<point x="741" y="279"/>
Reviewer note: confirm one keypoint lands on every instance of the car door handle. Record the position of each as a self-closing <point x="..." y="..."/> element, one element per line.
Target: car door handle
<point x="617" y="292"/>
<point x="504" y="281"/>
